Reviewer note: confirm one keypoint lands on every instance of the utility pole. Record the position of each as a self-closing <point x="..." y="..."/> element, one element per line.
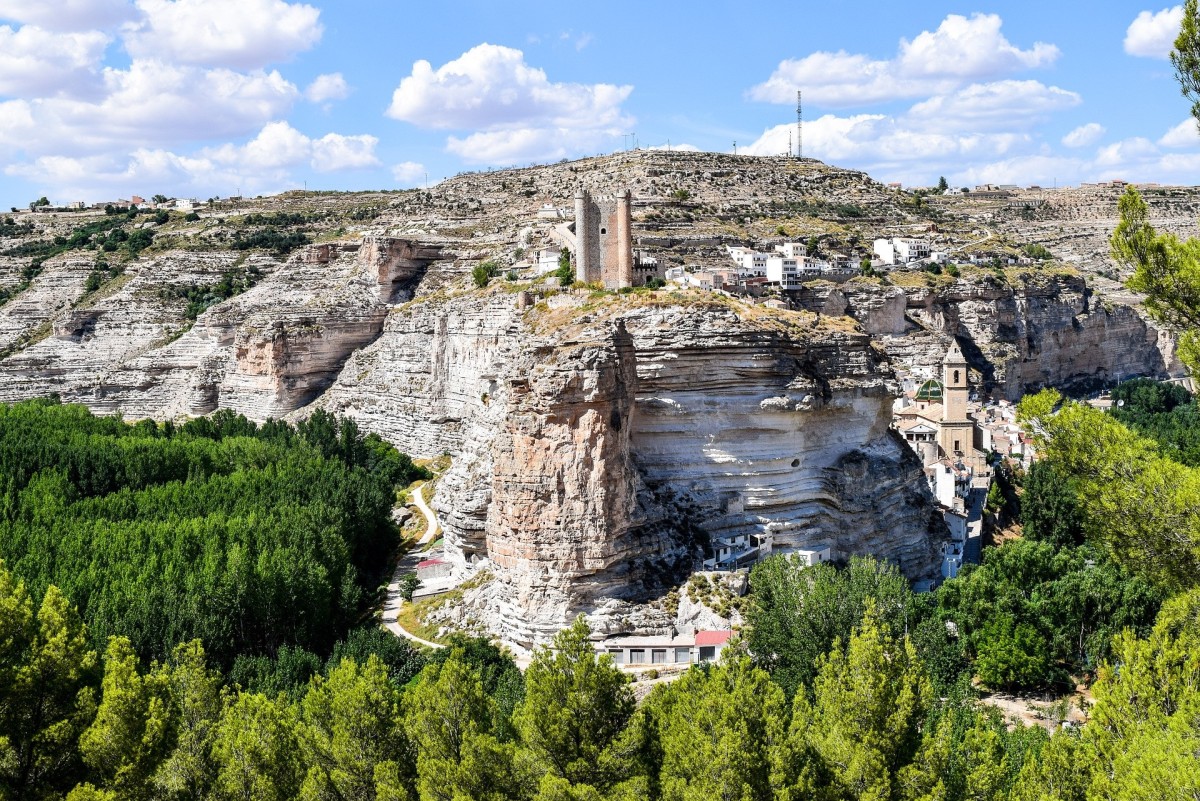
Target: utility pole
<point x="790" y="151"/>
<point x="799" y="124"/>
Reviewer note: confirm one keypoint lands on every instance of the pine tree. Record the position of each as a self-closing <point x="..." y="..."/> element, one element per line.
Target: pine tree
<point x="723" y="733"/>
<point x="256" y="751"/>
<point x="47" y="701"/>
<point x="869" y="701"/>
<point x="351" y="732"/>
<point x="576" y="704"/>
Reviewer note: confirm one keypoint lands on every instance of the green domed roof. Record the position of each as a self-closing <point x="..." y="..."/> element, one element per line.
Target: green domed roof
<point x="931" y="391"/>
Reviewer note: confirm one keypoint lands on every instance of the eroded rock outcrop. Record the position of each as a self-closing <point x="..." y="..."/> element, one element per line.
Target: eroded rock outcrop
<point x="601" y="447"/>
<point x="1044" y="329"/>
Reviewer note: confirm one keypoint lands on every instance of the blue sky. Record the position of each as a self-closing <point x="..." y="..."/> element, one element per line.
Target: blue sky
<point x="101" y="99"/>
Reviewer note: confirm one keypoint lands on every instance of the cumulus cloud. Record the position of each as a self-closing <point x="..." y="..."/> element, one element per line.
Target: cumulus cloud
<point x="239" y="34"/>
<point x="69" y="15"/>
<point x="1185" y="134"/>
<point x="1001" y="105"/>
<point x="335" y="152"/>
<point x="325" y="88"/>
<point x="1084" y="135"/>
<point x="682" y="147"/>
<point x="263" y="164"/>
<point x="962" y="49"/>
<point x="515" y="113"/>
<point x="1152" y="34"/>
<point x="152" y="105"/>
<point x="279" y="146"/>
<point x="35" y="61"/>
<point x="408" y="173"/>
<point x="879" y="143"/>
<point x="491" y="86"/>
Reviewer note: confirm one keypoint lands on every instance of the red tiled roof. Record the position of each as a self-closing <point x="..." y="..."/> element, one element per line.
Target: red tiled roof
<point x="430" y="563"/>
<point x="713" y="637"/>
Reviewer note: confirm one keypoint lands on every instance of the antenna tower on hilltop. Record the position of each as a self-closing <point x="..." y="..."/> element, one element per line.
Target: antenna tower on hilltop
<point x="799" y="125"/>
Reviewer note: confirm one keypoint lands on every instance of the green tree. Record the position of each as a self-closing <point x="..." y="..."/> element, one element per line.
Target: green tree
<point x="351" y="734"/>
<point x="1049" y="509"/>
<point x="1166" y="270"/>
<point x="1137" y="503"/>
<point x="484" y="272"/>
<point x="1185" y="56"/>
<point x="1145" y="730"/>
<point x="449" y="719"/>
<point x="798" y="611"/>
<point x="129" y="736"/>
<point x="942" y="185"/>
<point x="722" y="734"/>
<point x="576" y="704"/>
<point x="565" y="272"/>
<point x="256" y="751"/>
<point x="869" y="700"/>
<point x="46" y="701"/>
<point x="194" y="691"/>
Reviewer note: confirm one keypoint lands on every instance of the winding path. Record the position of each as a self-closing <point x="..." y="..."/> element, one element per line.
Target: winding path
<point x="391" y="606"/>
<point x="431" y="524"/>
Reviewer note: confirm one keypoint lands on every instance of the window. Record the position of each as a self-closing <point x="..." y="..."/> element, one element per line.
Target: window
<point x="637" y="656"/>
<point x="957" y="446"/>
<point x="658" y="656"/>
<point x="708" y="653"/>
<point x="604" y="231"/>
<point x="683" y="655"/>
<point x="618" y="656"/>
<point x="956" y="376"/>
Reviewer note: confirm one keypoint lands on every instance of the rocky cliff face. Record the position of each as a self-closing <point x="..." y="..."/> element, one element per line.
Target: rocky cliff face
<point x="1040" y="330"/>
<point x="599" y="450"/>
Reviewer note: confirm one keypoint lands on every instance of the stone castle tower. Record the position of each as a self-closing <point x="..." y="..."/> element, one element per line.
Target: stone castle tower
<point x="957" y="431"/>
<point x="603" y="239"/>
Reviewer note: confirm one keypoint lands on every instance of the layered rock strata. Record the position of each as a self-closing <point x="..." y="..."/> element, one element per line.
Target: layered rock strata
<point x="1044" y="330"/>
<point x="599" y="452"/>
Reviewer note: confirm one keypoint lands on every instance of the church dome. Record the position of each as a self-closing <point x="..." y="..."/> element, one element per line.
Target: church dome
<point x="930" y="391"/>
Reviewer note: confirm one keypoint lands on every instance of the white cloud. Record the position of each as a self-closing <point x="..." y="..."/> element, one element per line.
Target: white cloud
<point x="513" y="110"/>
<point x="960" y="50"/>
<point x="887" y="145"/>
<point x="682" y="147"/>
<point x="325" y="88"/>
<point x="279" y="146"/>
<point x="153" y="105"/>
<point x="335" y="152"/>
<point x="970" y="48"/>
<point x="69" y="15"/>
<point x="1152" y="34"/>
<point x="1001" y="105"/>
<point x="523" y="145"/>
<point x="34" y="61"/>
<point x="1085" y="135"/>
<point x="241" y="34"/>
<point x="491" y="87"/>
<point x="408" y="173"/>
<point x="262" y="165"/>
<point x="1185" y="134"/>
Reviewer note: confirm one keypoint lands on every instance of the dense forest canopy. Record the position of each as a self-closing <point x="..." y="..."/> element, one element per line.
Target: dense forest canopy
<point x="249" y="538"/>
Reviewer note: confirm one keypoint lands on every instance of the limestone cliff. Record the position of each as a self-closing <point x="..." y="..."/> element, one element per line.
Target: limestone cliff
<point x="600" y="446"/>
<point x="1034" y="330"/>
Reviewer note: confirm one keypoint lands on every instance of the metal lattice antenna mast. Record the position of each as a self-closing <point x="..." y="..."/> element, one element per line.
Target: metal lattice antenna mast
<point x="799" y="124"/>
